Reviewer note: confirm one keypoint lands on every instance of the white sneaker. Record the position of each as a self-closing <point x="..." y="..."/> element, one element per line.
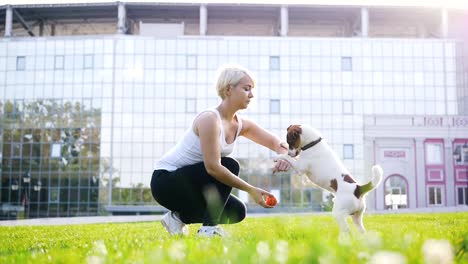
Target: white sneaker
<point x="211" y="231"/>
<point x="173" y="224"/>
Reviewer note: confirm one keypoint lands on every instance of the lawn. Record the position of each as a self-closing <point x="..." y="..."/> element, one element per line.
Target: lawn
<point x="273" y="239"/>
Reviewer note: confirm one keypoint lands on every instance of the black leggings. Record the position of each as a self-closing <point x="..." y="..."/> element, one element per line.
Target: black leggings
<point x="198" y="197"/>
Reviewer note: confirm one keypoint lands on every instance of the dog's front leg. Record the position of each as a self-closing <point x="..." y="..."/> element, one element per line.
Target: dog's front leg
<point x="289" y="159"/>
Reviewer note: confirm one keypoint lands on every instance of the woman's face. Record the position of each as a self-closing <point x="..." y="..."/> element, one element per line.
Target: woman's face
<point x="242" y="92"/>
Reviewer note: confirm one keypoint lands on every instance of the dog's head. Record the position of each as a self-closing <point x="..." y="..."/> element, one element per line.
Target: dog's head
<point x="298" y="136"/>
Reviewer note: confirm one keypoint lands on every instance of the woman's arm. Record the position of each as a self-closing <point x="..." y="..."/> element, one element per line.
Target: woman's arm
<point x="256" y="133"/>
<point x="261" y="136"/>
<point x="208" y="129"/>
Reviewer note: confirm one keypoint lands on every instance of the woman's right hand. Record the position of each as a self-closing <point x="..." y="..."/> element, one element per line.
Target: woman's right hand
<point x="258" y="194"/>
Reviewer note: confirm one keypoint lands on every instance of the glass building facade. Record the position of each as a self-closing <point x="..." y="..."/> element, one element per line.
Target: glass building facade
<point x="83" y="119"/>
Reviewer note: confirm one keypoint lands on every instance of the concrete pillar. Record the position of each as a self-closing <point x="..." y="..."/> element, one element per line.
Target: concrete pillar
<point x="444" y="23"/>
<point x="41" y="28"/>
<point x="122" y="17"/>
<point x="203" y="19"/>
<point x="421" y="192"/>
<point x="450" y="189"/>
<point x="364" y="22"/>
<point x="9" y="21"/>
<point x="284" y="21"/>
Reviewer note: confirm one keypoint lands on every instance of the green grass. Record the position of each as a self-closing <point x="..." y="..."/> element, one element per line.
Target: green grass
<point x="274" y="239"/>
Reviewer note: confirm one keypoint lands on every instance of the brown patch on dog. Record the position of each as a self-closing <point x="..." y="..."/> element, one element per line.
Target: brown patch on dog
<point x="294" y="132"/>
<point x="334" y="185"/>
<point x="357" y="192"/>
<point x="347" y="178"/>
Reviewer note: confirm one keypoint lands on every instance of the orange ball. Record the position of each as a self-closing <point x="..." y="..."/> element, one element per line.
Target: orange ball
<point x="271" y="200"/>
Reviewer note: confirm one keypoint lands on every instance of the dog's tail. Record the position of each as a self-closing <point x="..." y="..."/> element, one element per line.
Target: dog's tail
<point x="377" y="175"/>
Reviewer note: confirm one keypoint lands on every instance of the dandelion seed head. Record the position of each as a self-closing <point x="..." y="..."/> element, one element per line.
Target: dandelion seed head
<point x="437" y="251"/>
<point x="281" y="251"/>
<point x="263" y="250"/>
<point x="363" y="256"/>
<point x="373" y="239"/>
<point x="328" y="259"/>
<point x="177" y="251"/>
<point x="387" y="257"/>
<point x="408" y="239"/>
<point x="95" y="260"/>
<point x="99" y="248"/>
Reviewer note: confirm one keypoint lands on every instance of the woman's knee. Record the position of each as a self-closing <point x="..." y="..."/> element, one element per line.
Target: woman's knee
<point x="231" y="164"/>
<point x="242" y="213"/>
<point x="235" y="211"/>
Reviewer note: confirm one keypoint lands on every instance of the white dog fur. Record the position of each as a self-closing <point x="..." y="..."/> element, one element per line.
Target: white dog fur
<point x="320" y="164"/>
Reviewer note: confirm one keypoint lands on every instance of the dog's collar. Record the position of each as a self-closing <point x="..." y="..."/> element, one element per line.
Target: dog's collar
<point x="311" y="144"/>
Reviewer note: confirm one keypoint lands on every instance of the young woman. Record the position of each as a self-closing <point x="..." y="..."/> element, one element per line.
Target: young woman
<point x="195" y="178"/>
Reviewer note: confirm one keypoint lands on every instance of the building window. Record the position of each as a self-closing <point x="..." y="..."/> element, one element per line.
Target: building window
<point x="460" y="154"/>
<point x="20" y="63"/>
<point x="462" y="195"/>
<point x="191" y="61"/>
<point x="190" y="105"/>
<point x="59" y="62"/>
<point x="396" y="192"/>
<point x="435" y="195"/>
<point x="348" y="151"/>
<point x="54" y="195"/>
<point x="274" y="63"/>
<point x="55" y="151"/>
<point x="88" y="62"/>
<point x="433" y="153"/>
<point x="275" y="106"/>
<point x="16" y="150"/>
<point x="346" y="64"/>
<point x="347" y="107"/>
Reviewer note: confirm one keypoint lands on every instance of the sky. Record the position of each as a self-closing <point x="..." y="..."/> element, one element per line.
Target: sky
<point x="457" y="4"/>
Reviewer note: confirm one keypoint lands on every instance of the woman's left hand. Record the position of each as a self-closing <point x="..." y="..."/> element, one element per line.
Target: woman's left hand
<point x="281" y="165"/>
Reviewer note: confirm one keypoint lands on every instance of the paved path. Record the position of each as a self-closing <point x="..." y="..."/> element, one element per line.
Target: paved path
<point x="150" y="218"/>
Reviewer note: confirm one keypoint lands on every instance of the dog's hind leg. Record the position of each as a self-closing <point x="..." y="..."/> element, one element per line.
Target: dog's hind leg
<point x="340" y="217"/>
<point x="357" y="219"/>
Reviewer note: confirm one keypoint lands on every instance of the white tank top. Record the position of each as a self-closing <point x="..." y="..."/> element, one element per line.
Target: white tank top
<point x="188" y="150"/>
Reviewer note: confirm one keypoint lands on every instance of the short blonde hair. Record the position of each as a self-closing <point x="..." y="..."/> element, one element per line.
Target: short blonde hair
<point x="228" y="75"/>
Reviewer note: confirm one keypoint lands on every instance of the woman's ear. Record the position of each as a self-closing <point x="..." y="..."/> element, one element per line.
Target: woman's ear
<point x="228" y="90"/>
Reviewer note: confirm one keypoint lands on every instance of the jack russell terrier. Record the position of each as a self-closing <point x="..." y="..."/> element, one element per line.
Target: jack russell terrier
<point x="311" y="156"/>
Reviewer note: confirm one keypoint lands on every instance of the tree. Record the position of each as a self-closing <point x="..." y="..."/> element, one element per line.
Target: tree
<point x="58" y="142"/>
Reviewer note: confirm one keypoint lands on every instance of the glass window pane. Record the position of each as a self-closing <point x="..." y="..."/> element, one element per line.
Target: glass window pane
<point x="275" y="106"/>
<point x="347" y="106"/>
<point x="88" y="61"/>
<point x="348" y="151"/>
<point x="59" y="62"/>
<point x="274" y="62"/>
<point x="20" y="63"/>
<point x="191" y="105"/>
<point x="346" y="64"/>
<point x="434" y="153"/>
<point x="191" y="62"/>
